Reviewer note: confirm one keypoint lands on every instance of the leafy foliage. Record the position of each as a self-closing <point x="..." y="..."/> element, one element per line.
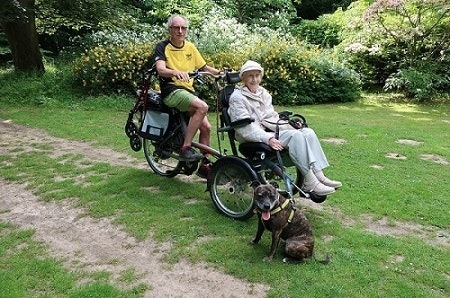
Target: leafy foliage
<point x="403" y="45"/>
<point x="266" y="13"/>
<point x="320" y="32"/>
<point x="111" y="68"/>
<point x="157" y="12"/>
<point x="313" y="9"/>
<point x="395" y="44"/>
<point x="419" y="83"/>
<point x="10" y="10"/>
<point x="293" y="74"/>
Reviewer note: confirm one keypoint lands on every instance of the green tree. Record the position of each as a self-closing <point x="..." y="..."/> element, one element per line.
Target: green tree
<point x="60" y="21"/>
<point x="275" y="14"/>
<point x="27" y="24"/>
<point x="158" y="11"/>
<point x="413" y="37"/>
<point x="312" y="9"/>
<point x="17" y="19"/>
<point x="418" y="29"/>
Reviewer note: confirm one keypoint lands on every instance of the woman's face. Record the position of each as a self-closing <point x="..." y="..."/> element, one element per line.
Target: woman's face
<point x="251" y="79"/>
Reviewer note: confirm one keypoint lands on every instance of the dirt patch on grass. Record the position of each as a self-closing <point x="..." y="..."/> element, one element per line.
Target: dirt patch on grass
<point x="435" y="158"/>
<point x="395" y="156"/>
<point x="430" y="157"/>
<point x="377" y="167"/>
<point x="336" y="141"/>
<point x="434" y="236"/>
<point x="89" y="244"/>
<point x="409" y="142"/>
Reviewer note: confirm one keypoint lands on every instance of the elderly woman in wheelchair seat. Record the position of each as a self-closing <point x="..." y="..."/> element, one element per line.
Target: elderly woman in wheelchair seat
<point x="253" y="101"/>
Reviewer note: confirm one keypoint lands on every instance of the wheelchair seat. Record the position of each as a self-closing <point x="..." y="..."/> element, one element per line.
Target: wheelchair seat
<point x="253" y="150"/>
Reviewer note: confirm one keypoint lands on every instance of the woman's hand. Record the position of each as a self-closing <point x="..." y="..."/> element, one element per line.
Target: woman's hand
<point x="275" y="144"/>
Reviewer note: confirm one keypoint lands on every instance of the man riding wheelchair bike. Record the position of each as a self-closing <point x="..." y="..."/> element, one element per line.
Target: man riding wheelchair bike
<point x="265" y="156"/>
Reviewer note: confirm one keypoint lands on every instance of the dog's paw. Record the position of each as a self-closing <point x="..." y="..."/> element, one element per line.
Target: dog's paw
<point x="292" y="261"/>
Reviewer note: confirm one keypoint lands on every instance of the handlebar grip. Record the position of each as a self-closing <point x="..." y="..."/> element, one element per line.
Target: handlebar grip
<point x="285" y="115"/>
<point x="193" y="73"/>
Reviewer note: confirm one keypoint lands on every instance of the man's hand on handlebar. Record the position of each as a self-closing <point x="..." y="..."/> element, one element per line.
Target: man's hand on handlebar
<point x="182" y="76"/>
<point x="198" y="75"/>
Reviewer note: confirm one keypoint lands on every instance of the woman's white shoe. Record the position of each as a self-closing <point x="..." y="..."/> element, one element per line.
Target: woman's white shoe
<point x="331" y="183"/>
<point x="328" y="182"/>
<point x="312" y="184"/>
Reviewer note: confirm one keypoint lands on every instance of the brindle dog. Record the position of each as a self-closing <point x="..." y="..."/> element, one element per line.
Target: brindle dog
<point x="278" y="214"/>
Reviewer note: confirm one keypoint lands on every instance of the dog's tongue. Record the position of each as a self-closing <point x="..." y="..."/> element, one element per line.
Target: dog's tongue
<point x="265" y="215"/>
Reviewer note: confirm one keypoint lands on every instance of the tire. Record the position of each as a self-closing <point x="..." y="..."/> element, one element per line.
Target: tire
<point x="316" y="198"/>
<point x="130" y="129"/>
<point x="135" y="143"/>
<point x="161" y="163"/>
<point x="229" y="186"/>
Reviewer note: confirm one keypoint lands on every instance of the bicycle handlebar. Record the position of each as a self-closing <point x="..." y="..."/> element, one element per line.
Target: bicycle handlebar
<point x="197" y="73"/>
<point x="230" y="76"/>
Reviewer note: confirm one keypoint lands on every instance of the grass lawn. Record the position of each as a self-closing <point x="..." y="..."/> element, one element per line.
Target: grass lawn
<point x="387" y="230"/>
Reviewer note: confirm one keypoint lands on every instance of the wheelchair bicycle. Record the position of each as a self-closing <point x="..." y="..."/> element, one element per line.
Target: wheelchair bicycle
<point x="160" y="131"/>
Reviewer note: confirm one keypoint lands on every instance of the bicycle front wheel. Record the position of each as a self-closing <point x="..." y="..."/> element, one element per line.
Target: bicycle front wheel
<point x="161" y="162"/>
<point x="230" y="187"/>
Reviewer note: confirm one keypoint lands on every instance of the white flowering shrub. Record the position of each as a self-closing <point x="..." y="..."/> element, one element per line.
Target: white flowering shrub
<point x="404" y="46"/>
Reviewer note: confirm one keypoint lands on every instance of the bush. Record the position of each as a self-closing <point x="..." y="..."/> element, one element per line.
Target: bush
<point x="293" y="75"/>
<point x="374" y="63"/>
<point x="319" y="32"/>
<point x="419" y="83"/>
<point x="401" y="45"/>
<point x="112" y="68"/>
<point x="336" y="83"/>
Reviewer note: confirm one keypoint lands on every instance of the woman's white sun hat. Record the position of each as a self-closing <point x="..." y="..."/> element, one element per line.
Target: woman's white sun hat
<point x="251" y="65"/>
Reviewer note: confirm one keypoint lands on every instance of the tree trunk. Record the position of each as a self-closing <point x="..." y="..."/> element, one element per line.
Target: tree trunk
<point x="23" y="39"/>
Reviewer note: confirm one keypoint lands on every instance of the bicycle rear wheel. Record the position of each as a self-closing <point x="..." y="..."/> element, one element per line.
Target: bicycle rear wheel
<point x="161" y="161"/>
<point x="230" y="189"/>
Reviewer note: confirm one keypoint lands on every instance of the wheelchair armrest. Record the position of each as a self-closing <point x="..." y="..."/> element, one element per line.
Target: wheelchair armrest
<point x="236" y="124"/>
<point x="241" y="122"/>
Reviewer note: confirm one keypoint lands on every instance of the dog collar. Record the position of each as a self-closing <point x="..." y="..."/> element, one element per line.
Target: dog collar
<point x="279" y="208"/>
<point x="284" y="205"/>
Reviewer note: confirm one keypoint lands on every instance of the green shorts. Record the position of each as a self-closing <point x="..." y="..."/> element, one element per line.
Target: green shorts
<point x="180" y="99"/>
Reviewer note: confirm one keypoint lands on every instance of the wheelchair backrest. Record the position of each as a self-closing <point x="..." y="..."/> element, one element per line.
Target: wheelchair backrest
<point x="232" y="78"/>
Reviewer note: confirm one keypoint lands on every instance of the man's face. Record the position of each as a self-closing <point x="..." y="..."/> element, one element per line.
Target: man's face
<point x="178" y="30"/>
